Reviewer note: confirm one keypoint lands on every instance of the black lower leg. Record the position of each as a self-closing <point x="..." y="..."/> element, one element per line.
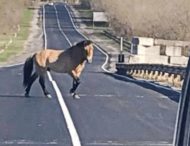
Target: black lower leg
<point x="42" y="83"/>
<point x="75" y="85"/>
<point x="32" y="79"/>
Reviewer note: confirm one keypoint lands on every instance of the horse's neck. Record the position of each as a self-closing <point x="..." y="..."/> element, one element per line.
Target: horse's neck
<point x="77" y="54"/>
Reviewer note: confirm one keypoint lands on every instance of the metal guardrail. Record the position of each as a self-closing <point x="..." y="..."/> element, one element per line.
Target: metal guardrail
<point x="126" y="43"/>
<point x="162" y="73"/>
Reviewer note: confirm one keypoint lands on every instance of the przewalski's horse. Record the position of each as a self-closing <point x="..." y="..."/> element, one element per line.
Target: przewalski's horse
<point x="71" y="61"/>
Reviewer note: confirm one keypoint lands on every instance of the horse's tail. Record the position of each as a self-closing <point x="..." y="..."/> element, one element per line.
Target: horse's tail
<point x="27" y="71"/>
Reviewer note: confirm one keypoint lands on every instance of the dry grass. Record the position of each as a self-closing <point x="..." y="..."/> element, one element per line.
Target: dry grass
<point x="10" y="14"/>
<point x="13" y="13"/>
<point x="152" y="18"/>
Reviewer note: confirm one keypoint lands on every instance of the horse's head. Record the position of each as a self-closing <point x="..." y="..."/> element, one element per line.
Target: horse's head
<point x="88" y="46"/>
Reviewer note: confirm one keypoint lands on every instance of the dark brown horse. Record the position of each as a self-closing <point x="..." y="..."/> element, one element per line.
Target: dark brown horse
<point x="71" y="61"/>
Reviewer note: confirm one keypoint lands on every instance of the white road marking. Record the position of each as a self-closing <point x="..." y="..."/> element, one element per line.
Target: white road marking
<point x="143" y="143"/>
<point x="27" y="142"/>
<point x="13" y="65"/>
<point x="97" y="95"/>
<point x="70" y="125"/>
<point x="140" y="97"/>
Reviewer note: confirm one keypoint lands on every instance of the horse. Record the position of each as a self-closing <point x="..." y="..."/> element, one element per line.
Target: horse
<point x="71" y="61"/>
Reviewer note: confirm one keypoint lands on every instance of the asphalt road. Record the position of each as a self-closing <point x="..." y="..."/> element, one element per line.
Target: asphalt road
<point x="112" y="110"/>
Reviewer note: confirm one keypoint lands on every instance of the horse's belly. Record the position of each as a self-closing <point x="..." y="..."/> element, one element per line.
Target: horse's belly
<point x="59" y="68"/>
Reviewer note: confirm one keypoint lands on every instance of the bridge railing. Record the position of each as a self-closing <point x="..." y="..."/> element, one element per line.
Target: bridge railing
<point x="173" y="75"/>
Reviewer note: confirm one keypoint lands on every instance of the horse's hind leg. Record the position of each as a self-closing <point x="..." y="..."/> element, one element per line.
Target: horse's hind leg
<point x="31" y="81"/>
<point x="42" y="83"/>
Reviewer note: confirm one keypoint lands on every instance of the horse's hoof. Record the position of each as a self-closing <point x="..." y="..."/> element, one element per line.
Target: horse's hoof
<point x="72" y="94"/>
<point x="26" y="95"/>
<point x="75" y="96"/>
<point x="49" y="96"/>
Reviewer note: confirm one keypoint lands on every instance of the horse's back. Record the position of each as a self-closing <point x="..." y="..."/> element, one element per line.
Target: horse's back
<point x="47" y="56"/>
<point x="59" y="60"/>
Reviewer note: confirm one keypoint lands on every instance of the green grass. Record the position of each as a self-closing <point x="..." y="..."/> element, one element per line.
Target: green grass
<point x="18" y="42"/>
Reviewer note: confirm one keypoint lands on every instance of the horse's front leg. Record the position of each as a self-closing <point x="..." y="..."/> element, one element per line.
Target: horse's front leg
<point x="76" y="83"/>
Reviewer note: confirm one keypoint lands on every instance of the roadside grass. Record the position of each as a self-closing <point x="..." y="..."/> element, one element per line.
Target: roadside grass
<point x="18" y="43"/>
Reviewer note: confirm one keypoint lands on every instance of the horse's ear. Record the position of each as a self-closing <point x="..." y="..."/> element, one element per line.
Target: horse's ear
<point x="87" y="42"/>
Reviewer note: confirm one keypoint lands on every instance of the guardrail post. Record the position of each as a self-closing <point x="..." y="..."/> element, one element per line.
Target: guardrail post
<point x="121" y="57"/>
<point x="182" y="129"/>
<point x="134" y="44"/>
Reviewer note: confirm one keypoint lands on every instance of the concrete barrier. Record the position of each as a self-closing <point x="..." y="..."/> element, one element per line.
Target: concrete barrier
<point x="159" y="59"/>
<point x="179" y="60"/>
<point x="149" y="50"/>
<point x="171" y="43"/>
<point x="153" y="50"/>
<point x="173" y="51"/>
<point x="144" y="41"/>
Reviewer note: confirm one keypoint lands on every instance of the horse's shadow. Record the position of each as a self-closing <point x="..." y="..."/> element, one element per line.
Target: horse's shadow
<point x="166" y="91"/>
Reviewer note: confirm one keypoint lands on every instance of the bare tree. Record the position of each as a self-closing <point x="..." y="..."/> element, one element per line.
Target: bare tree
<point x="151" y="18"/>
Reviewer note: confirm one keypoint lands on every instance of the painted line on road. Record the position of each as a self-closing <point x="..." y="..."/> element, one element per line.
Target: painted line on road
<point x="107" y="58"/>
<point x="114" y="143"/>
<point x="115" y="95"/>
<point x="70" y="125"/>
<point x="26" y="142"/>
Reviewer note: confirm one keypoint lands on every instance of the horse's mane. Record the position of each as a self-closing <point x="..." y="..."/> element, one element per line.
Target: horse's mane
<point x="84" y="43"/>
<point x="78" y="50"/>
<point x="80" y="45"/>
